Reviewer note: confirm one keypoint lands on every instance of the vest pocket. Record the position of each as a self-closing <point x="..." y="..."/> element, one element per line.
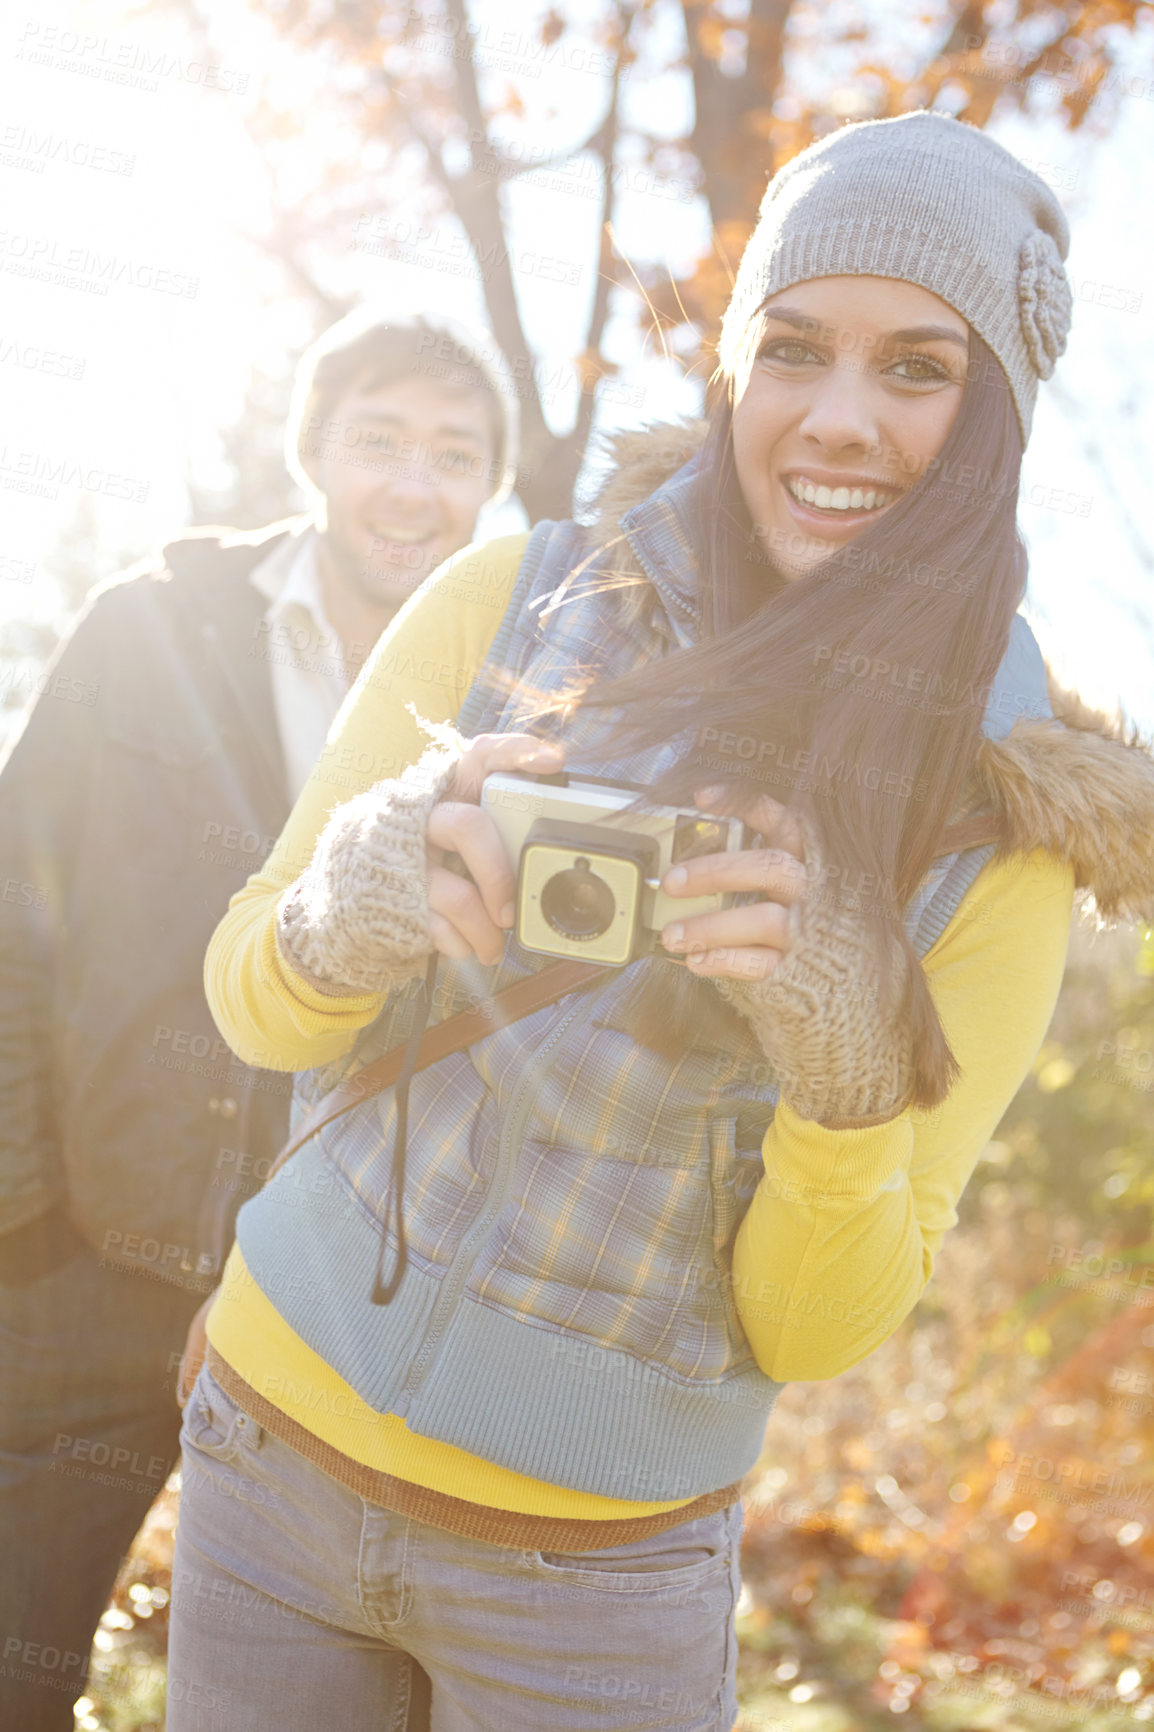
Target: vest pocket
<point x="733" y="1177"/>
<point x="722" y="1173"/>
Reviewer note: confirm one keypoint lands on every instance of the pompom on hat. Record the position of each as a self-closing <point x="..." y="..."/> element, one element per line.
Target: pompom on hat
<point x="928" y="200"/>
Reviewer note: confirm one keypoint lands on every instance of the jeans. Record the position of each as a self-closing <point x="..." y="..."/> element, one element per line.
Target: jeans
<point x="297" y="1604"/>
<point x="89" y="1431"/>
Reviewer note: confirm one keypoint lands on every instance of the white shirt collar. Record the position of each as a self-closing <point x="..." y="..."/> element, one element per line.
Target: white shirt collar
<point x="289" y="577"/>
<point x="306" y="657"/>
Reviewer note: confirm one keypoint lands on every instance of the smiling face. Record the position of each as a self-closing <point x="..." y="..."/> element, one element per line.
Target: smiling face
<point x="404" y="469"/>
<point x="852" y="393"/>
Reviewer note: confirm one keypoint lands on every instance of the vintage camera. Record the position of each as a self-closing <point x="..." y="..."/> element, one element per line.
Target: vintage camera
<point x="589" y="869"/>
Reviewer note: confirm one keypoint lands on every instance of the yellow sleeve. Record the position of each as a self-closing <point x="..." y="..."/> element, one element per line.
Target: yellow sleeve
<point x="840" y="1239"/>
<point x="428" y="657"/>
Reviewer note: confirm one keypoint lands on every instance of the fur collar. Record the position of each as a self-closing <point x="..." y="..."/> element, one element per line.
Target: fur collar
<point x="1084" y="791"/>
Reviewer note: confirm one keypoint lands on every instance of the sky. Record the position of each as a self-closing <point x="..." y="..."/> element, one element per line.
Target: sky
<point x="136" y="296"/>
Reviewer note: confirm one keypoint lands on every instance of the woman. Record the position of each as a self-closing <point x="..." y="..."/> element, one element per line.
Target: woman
<point x="513" y="1473"/>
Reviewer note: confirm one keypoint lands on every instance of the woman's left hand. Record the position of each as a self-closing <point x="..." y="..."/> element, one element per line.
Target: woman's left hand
<point x="747" y="942"/>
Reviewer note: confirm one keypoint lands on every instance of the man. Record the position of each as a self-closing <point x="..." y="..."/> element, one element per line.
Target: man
<point x="176" y="725"/>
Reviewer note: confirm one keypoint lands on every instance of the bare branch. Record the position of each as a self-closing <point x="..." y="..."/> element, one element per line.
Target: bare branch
<point x="477" y="204"/>
<point x="968" y="23"/>
<point x="596" y="141"/>
<point x="470" y="95"/>
<point x="285" y="245"/>
<point x="599" y="315"/>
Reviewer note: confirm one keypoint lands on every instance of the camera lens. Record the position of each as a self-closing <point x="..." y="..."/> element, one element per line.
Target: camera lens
<point x="577" y="903"/>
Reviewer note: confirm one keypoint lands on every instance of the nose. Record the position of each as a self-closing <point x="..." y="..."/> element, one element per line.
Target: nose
<point x="412" y="485"/>
<point x="840" y="416"/>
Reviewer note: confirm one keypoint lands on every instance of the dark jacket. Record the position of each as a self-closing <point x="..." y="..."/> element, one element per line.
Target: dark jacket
<point x="142" y="788"/>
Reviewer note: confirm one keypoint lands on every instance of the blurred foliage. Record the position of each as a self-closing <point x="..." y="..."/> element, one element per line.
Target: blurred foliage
<point x="409" y="111"/>
<point x="428" y="109"/>
<point x="258" y="489"/>
<point x="1080" y="1132"/>
<point x="81" y="558"/>
<point x="126" y="1681"/>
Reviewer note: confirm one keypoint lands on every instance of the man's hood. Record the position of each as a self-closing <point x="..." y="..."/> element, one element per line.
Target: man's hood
<point x="1080" y="785"/>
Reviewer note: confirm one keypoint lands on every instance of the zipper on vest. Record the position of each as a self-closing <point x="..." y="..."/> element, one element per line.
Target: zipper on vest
<point x="458" y="1271"/>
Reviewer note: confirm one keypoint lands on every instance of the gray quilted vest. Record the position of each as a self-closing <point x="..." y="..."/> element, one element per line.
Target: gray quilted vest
<point x="572" y="1197"/>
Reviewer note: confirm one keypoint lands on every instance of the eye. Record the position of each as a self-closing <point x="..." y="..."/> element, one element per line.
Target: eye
<point x="920" y="370"/>
<point x="791" y="350"/>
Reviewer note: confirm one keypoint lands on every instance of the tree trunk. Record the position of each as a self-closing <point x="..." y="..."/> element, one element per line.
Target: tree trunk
<point x="726" y="129"/>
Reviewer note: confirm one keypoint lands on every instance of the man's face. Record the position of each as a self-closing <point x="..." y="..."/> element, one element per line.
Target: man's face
<point x="404" y="469"/>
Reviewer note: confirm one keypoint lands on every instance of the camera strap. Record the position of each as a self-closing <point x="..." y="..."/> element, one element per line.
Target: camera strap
<point x="395" y="1196"/>
<point x="422" y="1047"/>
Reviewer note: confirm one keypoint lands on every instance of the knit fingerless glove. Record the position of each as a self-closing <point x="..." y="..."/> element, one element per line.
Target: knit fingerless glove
<point x="357" y="919"/>
<point x="818" y="1018"/>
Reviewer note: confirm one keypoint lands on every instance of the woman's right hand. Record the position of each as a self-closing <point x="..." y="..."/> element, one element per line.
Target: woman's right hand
<point x="472" y="918"/>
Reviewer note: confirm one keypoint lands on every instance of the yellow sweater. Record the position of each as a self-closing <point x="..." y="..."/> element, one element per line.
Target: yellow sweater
<point x="841" y="1236"/>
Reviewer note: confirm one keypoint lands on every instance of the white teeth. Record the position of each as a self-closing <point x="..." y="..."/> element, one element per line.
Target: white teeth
<point x="838" y="498"/>
<point x="387" y="532"/>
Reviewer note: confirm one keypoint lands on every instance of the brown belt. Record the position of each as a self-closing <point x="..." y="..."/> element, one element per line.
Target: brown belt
<point x="456" y="1515"/>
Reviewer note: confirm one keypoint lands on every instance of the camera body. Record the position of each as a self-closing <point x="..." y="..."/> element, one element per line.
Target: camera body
<point x="589" y="869"/>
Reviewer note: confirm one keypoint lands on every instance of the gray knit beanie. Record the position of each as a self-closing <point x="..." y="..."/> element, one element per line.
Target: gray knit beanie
<point x="930" y="201"/>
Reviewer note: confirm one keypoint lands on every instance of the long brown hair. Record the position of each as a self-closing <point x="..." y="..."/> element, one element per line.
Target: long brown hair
<point x="854" y="694"/>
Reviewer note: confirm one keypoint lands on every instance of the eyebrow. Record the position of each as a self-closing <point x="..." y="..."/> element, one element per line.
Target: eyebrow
<point x="929" y="334"/>
<point x="913" y="334"/>
<point x="445" y="429"/>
